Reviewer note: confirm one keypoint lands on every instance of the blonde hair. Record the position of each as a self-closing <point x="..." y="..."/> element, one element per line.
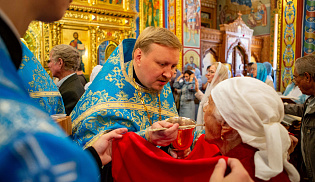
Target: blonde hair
<point x="157" y="35"/>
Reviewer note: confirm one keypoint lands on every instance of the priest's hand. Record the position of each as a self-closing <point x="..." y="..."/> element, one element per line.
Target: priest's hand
<point x="179" y="154"/>
<point x="238" y="172"/>
<point x="103" y="145"/>
<point x="163" y="137"/>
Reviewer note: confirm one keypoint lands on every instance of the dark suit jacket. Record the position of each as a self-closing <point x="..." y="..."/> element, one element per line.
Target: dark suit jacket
<point x="71" y="91"/>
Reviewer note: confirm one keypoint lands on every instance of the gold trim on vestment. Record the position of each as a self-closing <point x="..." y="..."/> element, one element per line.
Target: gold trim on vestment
<point x="116" y="105"/>
<point x="119" y="105"/>
<point x="44" y="94"/>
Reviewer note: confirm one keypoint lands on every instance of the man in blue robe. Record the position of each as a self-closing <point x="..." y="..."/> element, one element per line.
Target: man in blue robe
<point x="32" y="146"/>
<point x="38" y="83"/>
<point x="132" y="91"/>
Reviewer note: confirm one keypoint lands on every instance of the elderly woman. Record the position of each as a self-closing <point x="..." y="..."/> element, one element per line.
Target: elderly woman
<point x="218" y="72"/>
<point x="243" y="118"/>
<point x="259" y="71"/>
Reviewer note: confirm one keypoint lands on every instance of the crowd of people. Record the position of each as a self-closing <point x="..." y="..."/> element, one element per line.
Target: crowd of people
<point x="130" y="93"/>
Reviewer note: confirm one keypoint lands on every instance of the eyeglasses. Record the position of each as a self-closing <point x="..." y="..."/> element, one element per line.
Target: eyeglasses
<point x="295" y="76"/>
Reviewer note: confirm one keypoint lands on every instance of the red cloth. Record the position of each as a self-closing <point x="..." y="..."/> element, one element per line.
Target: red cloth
<point x="245" y="154"/>
<point x="135" y="159"/>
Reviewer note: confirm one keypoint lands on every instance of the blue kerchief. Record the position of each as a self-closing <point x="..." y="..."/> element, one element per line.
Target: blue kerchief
<point x="261" y="72"/>
<point x="112" y="101"/>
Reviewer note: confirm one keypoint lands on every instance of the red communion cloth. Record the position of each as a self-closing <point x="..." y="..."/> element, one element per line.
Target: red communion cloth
<point x="135" y="159"/>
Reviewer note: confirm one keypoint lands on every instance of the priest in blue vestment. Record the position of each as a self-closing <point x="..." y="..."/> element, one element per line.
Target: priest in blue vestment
<point x="38" y="83"/>
<point x="131" y="91"/>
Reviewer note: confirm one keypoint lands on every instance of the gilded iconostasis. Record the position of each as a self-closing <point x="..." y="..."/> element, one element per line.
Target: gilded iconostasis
<point x="282" y="30"/>
<point x="88" y="25"/>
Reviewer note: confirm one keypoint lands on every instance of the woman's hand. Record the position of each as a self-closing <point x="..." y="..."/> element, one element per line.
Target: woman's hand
<point x="181" y="76"/>
<point x="191" y="77"/>
<point x="196" y="84"/>
<point x="204" y="86"/>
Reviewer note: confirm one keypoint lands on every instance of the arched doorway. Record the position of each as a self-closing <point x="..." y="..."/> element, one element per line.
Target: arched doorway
<point x="238" y="59"/>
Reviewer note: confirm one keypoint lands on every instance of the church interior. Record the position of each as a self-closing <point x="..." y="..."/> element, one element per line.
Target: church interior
<point x="234" y="32"/>
<point x="102" y="78"/>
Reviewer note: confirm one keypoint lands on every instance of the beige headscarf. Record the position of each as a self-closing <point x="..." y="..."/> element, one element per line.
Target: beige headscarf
<point x="255" y="110"/>
<point x="220" y="75"/>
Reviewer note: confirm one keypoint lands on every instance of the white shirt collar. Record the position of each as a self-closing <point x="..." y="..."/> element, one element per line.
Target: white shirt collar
<point x="63" y="80"/>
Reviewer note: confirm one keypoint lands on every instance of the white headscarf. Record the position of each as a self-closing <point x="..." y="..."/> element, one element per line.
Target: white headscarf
<point x="255" y="110"/>
<point x="220" y="75"/>
<point x="94" y="73"/>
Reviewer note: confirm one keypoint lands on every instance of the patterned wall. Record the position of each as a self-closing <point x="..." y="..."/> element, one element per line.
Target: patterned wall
<point x="255" y="13"/>
<point x="191" y="32"/>
<point x="288" y="41"/>
<point x="308" y="28"/>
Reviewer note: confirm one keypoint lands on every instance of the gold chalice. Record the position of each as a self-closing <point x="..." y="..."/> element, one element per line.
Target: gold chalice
<point x="185" y="134"/>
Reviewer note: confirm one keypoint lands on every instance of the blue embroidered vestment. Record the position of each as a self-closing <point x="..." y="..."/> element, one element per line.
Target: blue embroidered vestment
<point x="32" y="146"/>
<point x="38" y="83"/>
<point x="112" y="101"/>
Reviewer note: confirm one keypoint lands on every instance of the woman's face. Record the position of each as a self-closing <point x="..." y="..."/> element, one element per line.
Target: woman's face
<point x="186" y="76"/>
<point x="211" y="73"/>
<point x="253" y="70"/>
<point x="213" y="126"/>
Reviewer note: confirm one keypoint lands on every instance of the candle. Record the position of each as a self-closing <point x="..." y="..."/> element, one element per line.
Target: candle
<point x="275" y="44"/>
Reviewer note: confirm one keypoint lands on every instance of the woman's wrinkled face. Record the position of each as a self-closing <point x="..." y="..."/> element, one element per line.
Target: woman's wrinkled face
<point x="213" y="126"/>
<point x="211" y="73"/>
